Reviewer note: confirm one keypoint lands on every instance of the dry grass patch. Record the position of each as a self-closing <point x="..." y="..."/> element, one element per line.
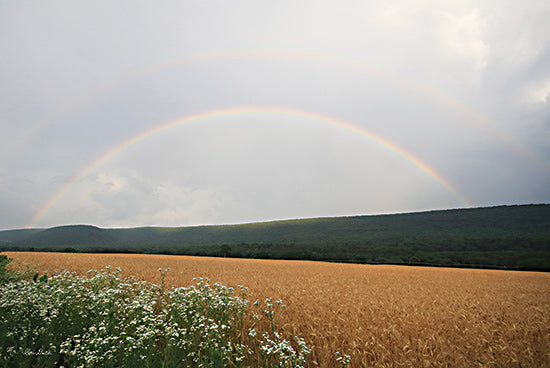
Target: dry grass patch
<point x="383" y="316"/>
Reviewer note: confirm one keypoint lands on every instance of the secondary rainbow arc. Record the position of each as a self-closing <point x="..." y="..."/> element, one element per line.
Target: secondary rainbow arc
<point x="427" y="92"/>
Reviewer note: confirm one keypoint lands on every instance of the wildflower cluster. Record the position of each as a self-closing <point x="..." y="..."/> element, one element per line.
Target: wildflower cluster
<point x="104" y="320"/>
<point x="343" y="359"/>
<point x="273" y="348"/>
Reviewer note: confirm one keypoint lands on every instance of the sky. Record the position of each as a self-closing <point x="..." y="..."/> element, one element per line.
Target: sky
<point x="183" y="113"/>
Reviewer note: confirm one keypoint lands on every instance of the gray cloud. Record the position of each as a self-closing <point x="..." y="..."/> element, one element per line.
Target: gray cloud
<point x="463" y="88"/>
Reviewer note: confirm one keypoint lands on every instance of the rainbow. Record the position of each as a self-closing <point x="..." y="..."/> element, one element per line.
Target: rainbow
<point x="384" y="143"/>
<point x="362" y="67"/>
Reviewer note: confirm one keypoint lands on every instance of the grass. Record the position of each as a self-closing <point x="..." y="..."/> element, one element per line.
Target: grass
<point x="379" y="316"/>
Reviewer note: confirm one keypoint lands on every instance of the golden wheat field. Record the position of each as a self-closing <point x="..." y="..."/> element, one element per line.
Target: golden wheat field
<point x="383" y="316"/>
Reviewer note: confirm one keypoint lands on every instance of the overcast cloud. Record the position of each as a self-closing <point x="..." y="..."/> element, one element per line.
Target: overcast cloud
<point x="461" y="86"/>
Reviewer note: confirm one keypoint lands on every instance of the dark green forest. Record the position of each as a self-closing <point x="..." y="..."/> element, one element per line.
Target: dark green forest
<point x="503" y="237"/>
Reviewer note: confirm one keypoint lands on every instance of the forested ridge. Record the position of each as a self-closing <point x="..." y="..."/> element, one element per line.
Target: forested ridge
<point x="508" y="237"/>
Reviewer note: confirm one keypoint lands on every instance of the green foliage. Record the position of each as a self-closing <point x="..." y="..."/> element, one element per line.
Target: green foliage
<point x="4" y="273"/>
<point x="4" y="261"/>
<point x="106" y="321"/>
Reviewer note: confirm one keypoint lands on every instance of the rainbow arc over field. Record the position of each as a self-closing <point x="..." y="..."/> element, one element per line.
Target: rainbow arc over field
<point x="382" y="142"/>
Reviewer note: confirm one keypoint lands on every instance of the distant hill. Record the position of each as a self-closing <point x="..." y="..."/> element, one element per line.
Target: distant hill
<point x="510" y="237"/>
<point x="71" y="235"/>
